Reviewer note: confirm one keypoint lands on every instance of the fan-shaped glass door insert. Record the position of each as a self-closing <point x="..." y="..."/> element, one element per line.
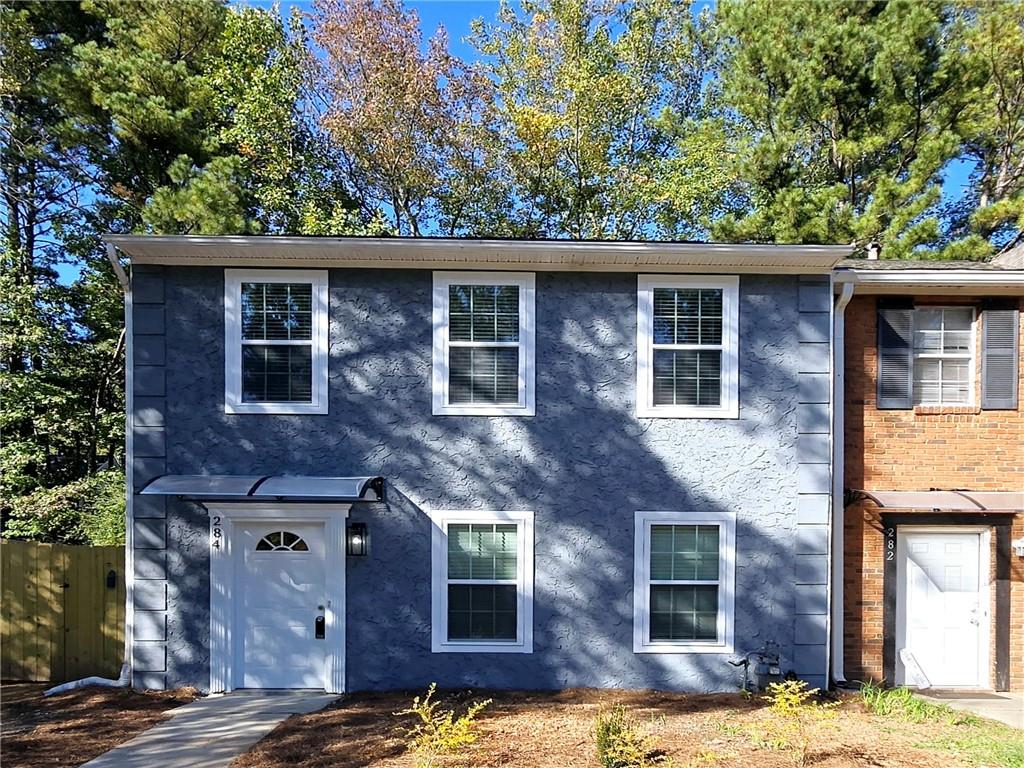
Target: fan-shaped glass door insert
<point x="282" y="541"/>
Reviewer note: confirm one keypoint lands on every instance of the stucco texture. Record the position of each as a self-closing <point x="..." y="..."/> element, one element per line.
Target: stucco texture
<point x="584" y="464"/>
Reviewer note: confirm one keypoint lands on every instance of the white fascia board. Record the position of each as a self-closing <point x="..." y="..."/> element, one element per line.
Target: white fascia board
<point x="935" y="281"/>
<point x="526" y="255"/>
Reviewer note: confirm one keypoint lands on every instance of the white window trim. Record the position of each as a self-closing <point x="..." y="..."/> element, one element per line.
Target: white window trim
<point x="642" y="576"/>
<point x="233" y="279"/>
<point x="439" y="642"/>
<point x="527" y="291"/>
<point x="971" y="357"/>
<point x="729" y="407"/>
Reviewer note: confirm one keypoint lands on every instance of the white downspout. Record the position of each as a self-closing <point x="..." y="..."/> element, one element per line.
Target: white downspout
<point x="838" y="477"/>
<point x="124" y="680"/>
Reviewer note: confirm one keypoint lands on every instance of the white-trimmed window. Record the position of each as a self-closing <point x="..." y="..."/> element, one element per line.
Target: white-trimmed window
<point x="943" y="362"/>
<point x="683" y="582"/>
<point x="275" y="337"/>
<point x="688" y="346"/>
<point x="482" y="582"/>
<point x="483" y="344"/>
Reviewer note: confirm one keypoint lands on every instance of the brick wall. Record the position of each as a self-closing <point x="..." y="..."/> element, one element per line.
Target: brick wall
<point x="913" y="450"/>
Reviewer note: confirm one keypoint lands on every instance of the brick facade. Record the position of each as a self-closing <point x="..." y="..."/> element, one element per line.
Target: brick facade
<point x="914" y="450"/>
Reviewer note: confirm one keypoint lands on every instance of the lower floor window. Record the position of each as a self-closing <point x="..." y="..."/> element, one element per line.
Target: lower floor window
<point x="485" y="612"/>
<point x="482" y="581"/>
<point x="683" y="581"/>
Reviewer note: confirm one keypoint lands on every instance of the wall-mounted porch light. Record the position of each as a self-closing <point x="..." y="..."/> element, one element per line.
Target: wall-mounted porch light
<point x="356" y="539"/>
<point x="1018" y="547"/>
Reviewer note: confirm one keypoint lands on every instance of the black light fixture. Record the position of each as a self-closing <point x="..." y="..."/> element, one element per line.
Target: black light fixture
<point x="356" y="540"/>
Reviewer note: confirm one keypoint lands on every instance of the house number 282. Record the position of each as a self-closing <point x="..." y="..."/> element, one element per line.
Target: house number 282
<point x="890" y="543"/>
<point x="216" y="532"/>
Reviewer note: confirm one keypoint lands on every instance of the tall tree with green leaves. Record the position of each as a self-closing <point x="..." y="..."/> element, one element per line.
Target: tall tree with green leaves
<point x="848" y="113"/>
<point x="124" y="116"/>
<point x="598" y="103"/>
<point x="991" y="214"/>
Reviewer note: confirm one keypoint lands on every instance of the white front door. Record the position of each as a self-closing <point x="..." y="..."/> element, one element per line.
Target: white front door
<point x="281" y="592"/>
<point x="942" y="608"/>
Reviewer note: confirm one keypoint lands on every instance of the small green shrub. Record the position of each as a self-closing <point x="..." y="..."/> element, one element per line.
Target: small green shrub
<point x="439" y="731"/>
<point x="795" y="710"/>
<point x="621" y="743"/>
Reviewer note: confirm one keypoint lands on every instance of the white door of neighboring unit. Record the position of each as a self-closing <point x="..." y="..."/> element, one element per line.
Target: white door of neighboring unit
<point x="281" y="591"/>
<point x="942" y="608"/>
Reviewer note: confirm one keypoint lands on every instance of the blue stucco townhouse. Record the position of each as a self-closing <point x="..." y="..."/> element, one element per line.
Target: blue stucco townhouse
<point x="376" y="463"/>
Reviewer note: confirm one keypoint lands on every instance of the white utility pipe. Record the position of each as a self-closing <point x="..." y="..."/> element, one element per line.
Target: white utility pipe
<point x="838" y="478"/>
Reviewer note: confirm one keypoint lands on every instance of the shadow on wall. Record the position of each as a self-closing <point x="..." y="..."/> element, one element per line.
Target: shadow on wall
<point x="584" y="464"/>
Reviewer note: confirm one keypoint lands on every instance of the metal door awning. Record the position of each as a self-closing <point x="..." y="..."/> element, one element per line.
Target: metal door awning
<point x="952" y="501"/>
<point x="266" y="488"/>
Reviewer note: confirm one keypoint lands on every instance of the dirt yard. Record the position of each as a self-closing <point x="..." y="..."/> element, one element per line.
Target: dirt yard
<point x="555" y="730"/>
<point x="73" y="728"/>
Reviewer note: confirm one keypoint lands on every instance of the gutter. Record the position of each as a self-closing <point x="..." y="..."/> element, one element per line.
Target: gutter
<point x="836" y="607"/>
<point x="456" y="254"/>
<point x="124" y="680"/>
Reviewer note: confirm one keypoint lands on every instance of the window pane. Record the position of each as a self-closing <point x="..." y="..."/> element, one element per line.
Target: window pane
<point x="277" y="374"/>
<point x="683" y="612"/>
<point x="687" y="316"/>
<point x="488" y="375"/>
<point x="939" y="381"/>
<point x="687" y="377"/>
<point x="684" y="552"/>
<point x="277" y="311"/>
<point x="483" y="313"/>
<point x="482" y="612"/>
<point x="482" y="551"/>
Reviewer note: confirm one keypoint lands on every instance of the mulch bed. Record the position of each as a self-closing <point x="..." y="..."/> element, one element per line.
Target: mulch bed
<point x="73" y="728"/>
<point x="555" y="730"/>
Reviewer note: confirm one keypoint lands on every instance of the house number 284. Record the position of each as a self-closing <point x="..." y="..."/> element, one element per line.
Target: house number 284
<point x="890" y="543"/>
<point x="216" y="532"/>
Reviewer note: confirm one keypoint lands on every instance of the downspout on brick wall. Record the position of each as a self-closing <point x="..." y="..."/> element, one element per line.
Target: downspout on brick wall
<point x="838" y="481"/>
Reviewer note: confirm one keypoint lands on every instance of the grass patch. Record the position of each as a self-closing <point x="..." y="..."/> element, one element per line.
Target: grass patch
<point x="971" y="738"/>
<point x="901" y="703"/>
<point x="983" y="743"/>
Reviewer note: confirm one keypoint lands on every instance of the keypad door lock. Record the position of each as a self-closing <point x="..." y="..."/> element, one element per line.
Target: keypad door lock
<point x="320" y="628"/>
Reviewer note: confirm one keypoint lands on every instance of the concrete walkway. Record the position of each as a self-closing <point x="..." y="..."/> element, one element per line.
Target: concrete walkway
<point x="211" y="732"/>
<point x="1005" y="707"/>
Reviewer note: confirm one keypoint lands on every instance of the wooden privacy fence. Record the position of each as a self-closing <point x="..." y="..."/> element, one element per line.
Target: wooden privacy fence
<point x="63" y="611"/>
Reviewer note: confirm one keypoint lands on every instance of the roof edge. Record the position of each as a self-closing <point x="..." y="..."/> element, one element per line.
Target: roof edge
<point x="969" y="281"/>
<point x="449" y="253"/>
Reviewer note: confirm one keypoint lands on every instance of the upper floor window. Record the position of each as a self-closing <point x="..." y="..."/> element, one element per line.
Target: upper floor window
<point x="275" y="341"/>
<point x="943" y="362"/>
<point x="483" y="344"/>
<point x="925" y="355"/>
<point x="687" y="346"/>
